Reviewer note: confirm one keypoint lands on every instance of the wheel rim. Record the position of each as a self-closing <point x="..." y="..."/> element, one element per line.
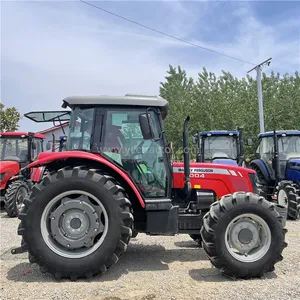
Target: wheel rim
<point x="21" y="194"/>
<point x="282" y="198"/>
<point x="248" y="238"/>
<point x="74" y="224"/>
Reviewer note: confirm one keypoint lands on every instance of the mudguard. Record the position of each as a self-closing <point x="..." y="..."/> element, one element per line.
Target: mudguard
<point x="49" y="157"/>
<point x="8" y="169"/>
<point x="293" y="170"/>
<point x="261" y="165"/>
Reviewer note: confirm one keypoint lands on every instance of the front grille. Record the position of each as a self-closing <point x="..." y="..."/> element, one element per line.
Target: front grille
<point x="252" y="178"/>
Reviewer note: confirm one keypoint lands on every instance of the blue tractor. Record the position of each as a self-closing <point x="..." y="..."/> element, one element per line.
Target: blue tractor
<point x="277" y="166"/>
<point x="222" y="147"/>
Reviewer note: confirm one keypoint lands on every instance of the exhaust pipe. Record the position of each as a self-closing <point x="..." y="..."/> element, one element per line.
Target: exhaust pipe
<point x="186" y="159"/>
<point x="276" y="157"/>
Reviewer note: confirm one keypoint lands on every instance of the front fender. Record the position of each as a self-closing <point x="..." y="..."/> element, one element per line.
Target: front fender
<point x="262" y="167"/>
<point x="46" y="158"/>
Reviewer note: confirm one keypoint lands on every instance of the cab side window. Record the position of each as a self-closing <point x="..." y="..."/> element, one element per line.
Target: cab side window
<point x="266" y="148"/>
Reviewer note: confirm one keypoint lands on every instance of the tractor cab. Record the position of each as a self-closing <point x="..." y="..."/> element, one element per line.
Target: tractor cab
<point x="17" y="149"/>
<point x="277" y="164"/>
<point x="280" y="153"/>
<point x="21" y="147"/>
<point x="222" y="147"/>
<point x="121" y="135"/>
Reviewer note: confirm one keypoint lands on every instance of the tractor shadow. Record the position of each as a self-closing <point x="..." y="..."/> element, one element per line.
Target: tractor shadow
<point x="213" y="275"/>
<point x="138" y="257"/>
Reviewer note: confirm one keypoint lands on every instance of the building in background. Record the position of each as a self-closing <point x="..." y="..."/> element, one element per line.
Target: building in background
<point x="57" y="131"/>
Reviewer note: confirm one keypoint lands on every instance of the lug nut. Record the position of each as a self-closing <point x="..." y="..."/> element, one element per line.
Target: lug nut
<point x="68" y="245"/>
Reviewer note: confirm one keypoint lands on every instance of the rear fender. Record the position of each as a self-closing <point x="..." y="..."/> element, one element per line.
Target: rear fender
<point x="56" y="160"/>
<point x="263" y="168"/>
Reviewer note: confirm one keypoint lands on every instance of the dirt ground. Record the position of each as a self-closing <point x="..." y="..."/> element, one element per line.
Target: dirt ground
<point x="152" y="268"/>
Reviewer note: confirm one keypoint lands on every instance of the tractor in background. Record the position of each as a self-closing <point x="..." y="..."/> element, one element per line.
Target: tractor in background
<point x="18" y="149"/>
<point x="116" y="177"/>
<point x="277" y="165"/>
<point x="222" y="147"/>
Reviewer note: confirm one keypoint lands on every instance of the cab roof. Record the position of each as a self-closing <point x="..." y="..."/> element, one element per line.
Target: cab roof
<point x="127" y="100"/>
<point x="279" y="132"/>
<point x="21" y="134"/>
<point x="219" y="132"/>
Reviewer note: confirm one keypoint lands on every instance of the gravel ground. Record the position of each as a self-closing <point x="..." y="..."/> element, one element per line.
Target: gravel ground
<point x="152" y="268"/>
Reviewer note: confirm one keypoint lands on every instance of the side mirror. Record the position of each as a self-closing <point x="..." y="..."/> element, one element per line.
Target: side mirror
<point x="146" y="129"/>
<point x="194" y="140"/>
<point x="33" y="145"/>
<point x="48" y="146"/>
<point x="249" y="142"/>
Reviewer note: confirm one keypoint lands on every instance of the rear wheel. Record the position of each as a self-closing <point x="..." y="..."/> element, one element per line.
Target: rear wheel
<point x="243" y="235"/>
<point x="76" y="223"/>
<point x="261" y="183"/>
<point x="14" y="197"/>
<point x="197" y="238"/>
<point x="288" y="195"/>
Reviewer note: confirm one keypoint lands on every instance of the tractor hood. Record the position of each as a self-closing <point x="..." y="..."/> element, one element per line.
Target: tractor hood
<point x="5" y="166"/>
<point x="293" y="170"/>
<point x="7" y="170"/>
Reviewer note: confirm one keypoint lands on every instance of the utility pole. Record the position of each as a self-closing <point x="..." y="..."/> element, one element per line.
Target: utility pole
<point x="258" y="69"/>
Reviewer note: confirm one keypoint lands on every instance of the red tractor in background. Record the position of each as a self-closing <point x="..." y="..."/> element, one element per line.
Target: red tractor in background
<point x="116" y="178"/>
<point x="18" y="149"/>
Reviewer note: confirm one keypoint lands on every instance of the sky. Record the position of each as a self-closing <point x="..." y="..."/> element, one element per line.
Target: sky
<point x="51" y="50"/>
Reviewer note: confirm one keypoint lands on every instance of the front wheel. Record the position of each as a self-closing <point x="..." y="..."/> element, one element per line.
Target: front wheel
<point x="14" y="197"/>
<point x="288" y="195"/>
<point x="76" y="223"/>
<point x="243" y="235"/>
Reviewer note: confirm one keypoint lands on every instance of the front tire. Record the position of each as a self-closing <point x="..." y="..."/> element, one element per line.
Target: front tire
<point x="76" y="223"/>
<point x="14" y="197"/>
<point x="288" y="195"/>
<point x="243" y="235"/>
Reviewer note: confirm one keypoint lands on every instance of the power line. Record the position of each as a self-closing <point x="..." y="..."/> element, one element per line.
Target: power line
<point x="165" y="34"/>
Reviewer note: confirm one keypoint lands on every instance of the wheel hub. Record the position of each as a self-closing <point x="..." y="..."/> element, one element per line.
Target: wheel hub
<point x="244" y="235"/>
<point x="282" y="198"/>
<point x="75" y="223"/>
<point x="21" y="194"/>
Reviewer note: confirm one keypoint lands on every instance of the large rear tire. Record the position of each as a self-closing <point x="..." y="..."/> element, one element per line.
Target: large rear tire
<point x="14" y="197"/>
<point x="197" y="238"/>
<point x="288" y="195"/>
<point x="261" y="183"/>
<point x="243" y="235"/>
<point x="76" y="223"/>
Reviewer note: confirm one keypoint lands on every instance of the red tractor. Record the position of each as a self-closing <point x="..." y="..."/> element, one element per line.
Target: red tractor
<point x="17" y="150"/>
<point x="116" y="180"/>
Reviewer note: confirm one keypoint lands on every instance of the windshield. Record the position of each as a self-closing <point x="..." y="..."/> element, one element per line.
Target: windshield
<point x="15" y="149"/>
<point x="220" y="147"/>
<point x="289" y="146"/>
<point x="80" y="131"/>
